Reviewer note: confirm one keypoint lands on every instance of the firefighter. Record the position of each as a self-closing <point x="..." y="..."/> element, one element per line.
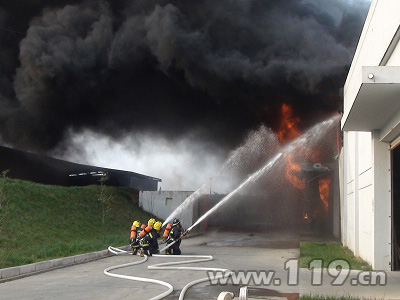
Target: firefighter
<point x="149" y="243"/>
<point x="133" y="241"/>
<point x="146" y="229"/>
<point x="151" y="222"/>
<point x="175" y="234"/>
<point x="166" y="232"/>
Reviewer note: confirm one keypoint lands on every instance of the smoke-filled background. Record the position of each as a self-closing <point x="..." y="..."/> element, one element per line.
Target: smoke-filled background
<point x="167" y="88"/>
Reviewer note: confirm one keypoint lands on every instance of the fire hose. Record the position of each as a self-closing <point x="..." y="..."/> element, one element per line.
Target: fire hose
<point x="173" y="242"/>
<point x="168" y="266"/>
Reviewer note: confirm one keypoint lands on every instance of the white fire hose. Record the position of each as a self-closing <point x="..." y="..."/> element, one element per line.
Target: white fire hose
<point x="168" y="266"/>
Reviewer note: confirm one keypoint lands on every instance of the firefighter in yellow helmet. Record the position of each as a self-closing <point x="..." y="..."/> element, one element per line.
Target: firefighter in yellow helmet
<point x="151" y="222"/>
<point x="149" y="243"/>
<point x="133" y="240"/>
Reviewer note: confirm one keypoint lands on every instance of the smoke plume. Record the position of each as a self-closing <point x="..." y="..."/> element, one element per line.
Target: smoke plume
<point x="214" y="69"/>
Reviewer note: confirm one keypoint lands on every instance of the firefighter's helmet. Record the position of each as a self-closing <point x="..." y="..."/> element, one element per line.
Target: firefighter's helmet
<point x="151" y="222"/>
<point x="157" y="225"/>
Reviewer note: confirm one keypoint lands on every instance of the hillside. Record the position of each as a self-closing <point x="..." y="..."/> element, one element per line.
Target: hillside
<point x="44" y="222"/>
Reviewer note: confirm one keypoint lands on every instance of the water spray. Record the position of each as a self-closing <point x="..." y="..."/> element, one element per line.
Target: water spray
<point x="185" y="204"/>
<point x="252" y="178"/>
<point x="313" y="134"/>
<point x="249" y="180"/>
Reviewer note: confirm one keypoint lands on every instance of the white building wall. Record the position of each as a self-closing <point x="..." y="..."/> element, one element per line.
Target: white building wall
<point x="365" y="196"/>
<point x="379" y="29"/>
<point x="367" y="225"/>
<point x="394" y="60"/>
<point x="349" y="172"/>
<point x="382" y="203"/>
<point x="342" y="207"/>
<point x="366" y="203"/>
<point x="162" y="203"/>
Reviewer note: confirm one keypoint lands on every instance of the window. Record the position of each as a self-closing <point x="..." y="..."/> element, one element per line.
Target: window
<point x="168" y="201"/>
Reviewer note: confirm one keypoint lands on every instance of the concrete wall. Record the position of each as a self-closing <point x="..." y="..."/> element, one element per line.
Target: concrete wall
<point x="349" y="181"/>
<point x="366" y="178"/>
<point x="379" y="30"/>
<point x="162" y="203"/>
<point x="366" y="205"/>
<point x="394" y="59"/>
<point x="382" y="206"/>
<point x="342" y="198"/>
<point x="365" y="196"/>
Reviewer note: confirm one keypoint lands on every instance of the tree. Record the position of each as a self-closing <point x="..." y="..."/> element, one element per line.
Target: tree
<point x="3" y="199"/>
<point x="106" y="200"/>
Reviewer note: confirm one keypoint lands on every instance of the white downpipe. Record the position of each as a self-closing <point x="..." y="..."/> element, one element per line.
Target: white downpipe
<point x="167" y="266"/>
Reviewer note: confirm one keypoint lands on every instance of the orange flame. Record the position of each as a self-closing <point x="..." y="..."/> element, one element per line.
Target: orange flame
<point x="291" y="169"/>
<point x="288" y="127"/>
<point x="288" y="131"/>
<point x="324" y="191"/>
<point x="305" y="216"/>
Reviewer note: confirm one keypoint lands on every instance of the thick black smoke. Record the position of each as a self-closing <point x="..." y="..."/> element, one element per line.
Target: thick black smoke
<point x="216" y="68"/>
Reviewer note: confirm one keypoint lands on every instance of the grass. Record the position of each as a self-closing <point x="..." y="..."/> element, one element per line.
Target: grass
<point x="45" y="222"/>
<point x="329" y="252"/>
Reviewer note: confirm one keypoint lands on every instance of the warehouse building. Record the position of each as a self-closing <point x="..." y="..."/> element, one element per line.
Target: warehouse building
<point x="47" y="170"/>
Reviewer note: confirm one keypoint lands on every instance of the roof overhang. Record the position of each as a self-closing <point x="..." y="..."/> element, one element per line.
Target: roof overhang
<point x="377" y="100"/>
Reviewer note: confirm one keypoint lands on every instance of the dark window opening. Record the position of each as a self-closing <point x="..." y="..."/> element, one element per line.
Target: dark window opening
<point x="396" y="209"/>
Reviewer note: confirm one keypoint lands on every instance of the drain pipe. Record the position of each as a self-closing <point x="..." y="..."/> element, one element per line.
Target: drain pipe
<point x="168" y="266"/>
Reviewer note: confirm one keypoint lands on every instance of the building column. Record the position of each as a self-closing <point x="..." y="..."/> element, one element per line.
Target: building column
<point x="336" y="198"/>
<point x="342" y="215"/>
<point x="357" y="197"/>
<point x="345" y="179"/>
<point x="382" y="203"/>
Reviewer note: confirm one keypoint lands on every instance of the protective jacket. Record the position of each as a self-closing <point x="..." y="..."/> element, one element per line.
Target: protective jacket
<point x="150" y="241"/>
<point x="174" y="235"/>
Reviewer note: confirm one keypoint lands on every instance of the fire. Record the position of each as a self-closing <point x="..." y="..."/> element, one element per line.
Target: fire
<point x="288" y="131"/>
<point x="306" y="217"/>
<point x="324" y="191"/>
<point x="288" y="127"/>
<point x="291" y="169"/>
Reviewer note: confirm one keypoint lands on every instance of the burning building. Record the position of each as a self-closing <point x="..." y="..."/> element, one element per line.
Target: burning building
<point x="311" y="172"/>
<point x="300" y="192"/>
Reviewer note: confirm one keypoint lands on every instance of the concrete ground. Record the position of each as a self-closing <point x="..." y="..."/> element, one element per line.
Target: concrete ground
<point x="261" y="252"/>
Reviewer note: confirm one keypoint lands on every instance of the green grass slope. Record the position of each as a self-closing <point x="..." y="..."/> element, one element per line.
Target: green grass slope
<point x="329" y="252"/>
<point x="45" y="222"/>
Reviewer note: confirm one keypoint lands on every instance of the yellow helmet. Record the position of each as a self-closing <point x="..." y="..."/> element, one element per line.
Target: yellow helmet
<point x="136" y="224"/>
<point x="151" y="222"/>
<point x="157" y="225"/>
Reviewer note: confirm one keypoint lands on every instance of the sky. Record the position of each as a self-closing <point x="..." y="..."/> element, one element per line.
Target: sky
<point x="167" y="88"/>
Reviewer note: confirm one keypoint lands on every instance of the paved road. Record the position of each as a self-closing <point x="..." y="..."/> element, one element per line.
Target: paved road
<point x="232" y="251"/>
